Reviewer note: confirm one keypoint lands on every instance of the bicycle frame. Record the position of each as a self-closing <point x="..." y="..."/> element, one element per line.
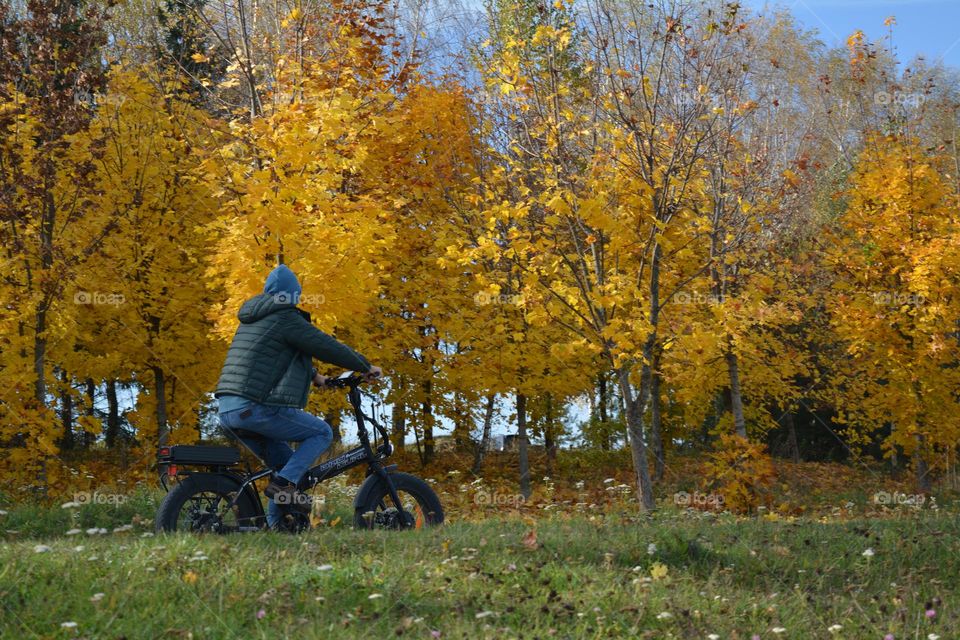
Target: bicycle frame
<point x="363" y="454"/>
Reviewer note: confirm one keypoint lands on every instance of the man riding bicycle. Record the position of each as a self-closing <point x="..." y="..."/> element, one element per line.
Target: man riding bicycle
<point x="265" y="382"/>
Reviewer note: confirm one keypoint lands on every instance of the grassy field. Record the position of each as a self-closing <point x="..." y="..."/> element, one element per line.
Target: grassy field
<point x="675" y="574"/>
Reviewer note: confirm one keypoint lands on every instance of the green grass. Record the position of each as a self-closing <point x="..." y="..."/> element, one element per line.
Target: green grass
<point x="34" y="521"/>
<point x="585" y="579"/>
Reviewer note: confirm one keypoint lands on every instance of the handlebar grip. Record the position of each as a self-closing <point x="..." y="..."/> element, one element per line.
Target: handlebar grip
<point x="340" y="383"/>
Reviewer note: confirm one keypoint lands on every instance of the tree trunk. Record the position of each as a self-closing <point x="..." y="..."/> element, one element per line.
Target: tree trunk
<point x="719" y="277"/>
<point x="549" y="435"/>
<point x="91" y="389"/>
<point x="924" y="484"/>
<point x="634" y="408"/>
<point x="638" y="449"/>
<point x="461" y="423"/>
<point x="113" y="414"/>
<point x="481" y="451"/>
<point x="623" y="411"/>
<point x="602" y="401"/>
<point x="160" y="388"/>
<point x="656" y="435"/>
<point x="40" y="330"/>
<point x="399" y="424"/>
<point x="720" y="407"/>
<point x="66" y="412"/>
<point x="792" y="443"/>
<point x="522" y="445"/>
<point x="39" y="357"/>
<point x="427" y="412"/>
<point x="47" y="228"/>
<point x="736" y="396"/>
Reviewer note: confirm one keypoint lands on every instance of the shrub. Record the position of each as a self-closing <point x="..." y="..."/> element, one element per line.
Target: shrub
<point x="741" y="472"/>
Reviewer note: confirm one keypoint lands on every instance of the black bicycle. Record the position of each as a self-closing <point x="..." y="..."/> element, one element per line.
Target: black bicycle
<point x="211" y="496"/>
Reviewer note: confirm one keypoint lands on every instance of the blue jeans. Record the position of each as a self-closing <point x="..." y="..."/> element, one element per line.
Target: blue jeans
<point x="279" y="425"/>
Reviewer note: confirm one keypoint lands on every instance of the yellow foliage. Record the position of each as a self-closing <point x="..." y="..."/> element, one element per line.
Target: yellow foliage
<point x="742" y="473"/>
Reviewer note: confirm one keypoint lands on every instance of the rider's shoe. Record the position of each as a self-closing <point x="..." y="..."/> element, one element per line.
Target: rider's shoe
<point x="284" y="492"/>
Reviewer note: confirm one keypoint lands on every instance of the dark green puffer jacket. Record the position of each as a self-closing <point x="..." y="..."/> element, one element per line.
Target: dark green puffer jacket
<point x="269" y="360"/>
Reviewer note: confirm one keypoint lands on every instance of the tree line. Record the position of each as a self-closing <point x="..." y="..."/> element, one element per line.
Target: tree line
<point x="696" y="217"/>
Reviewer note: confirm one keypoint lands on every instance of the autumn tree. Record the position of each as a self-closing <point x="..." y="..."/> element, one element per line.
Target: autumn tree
<point x="145" y="286"/>
<point x="895" y="257"/>
<point x="611" y="184"/>
<point x="49" y="69"/>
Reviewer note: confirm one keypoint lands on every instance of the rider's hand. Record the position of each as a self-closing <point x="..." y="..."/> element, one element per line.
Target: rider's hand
<point x="373" y="373"/>
<point x="320" y="381"/>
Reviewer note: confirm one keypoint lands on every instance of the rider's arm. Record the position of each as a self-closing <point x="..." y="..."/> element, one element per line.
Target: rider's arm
<point x="303" y="336"/>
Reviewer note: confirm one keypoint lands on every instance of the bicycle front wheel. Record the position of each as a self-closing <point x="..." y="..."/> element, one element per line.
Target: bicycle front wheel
<point x="421" y="506"/>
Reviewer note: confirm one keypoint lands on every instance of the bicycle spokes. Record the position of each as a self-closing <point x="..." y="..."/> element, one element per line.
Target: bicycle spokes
<point x="208" y="511"/>
<point x="387" y="516"/>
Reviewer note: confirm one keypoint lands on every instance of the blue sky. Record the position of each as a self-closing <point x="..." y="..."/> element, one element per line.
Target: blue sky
<point x="928" y="27"/>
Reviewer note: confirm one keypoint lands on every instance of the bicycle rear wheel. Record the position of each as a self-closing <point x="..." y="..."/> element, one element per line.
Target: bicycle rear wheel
<point x="199" y="504"/>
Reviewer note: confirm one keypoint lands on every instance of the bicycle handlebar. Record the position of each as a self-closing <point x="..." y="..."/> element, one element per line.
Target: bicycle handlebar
<point x="353" y="382"/>
<point x="346" y="382"/>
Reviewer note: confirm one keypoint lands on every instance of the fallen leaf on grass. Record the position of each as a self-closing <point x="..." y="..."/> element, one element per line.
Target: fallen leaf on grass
<point x="658" y="571"/>
<point x="530" y="539"/>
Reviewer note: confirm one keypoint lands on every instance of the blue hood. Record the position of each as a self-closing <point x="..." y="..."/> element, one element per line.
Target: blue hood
<point x="283" y="285"/>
